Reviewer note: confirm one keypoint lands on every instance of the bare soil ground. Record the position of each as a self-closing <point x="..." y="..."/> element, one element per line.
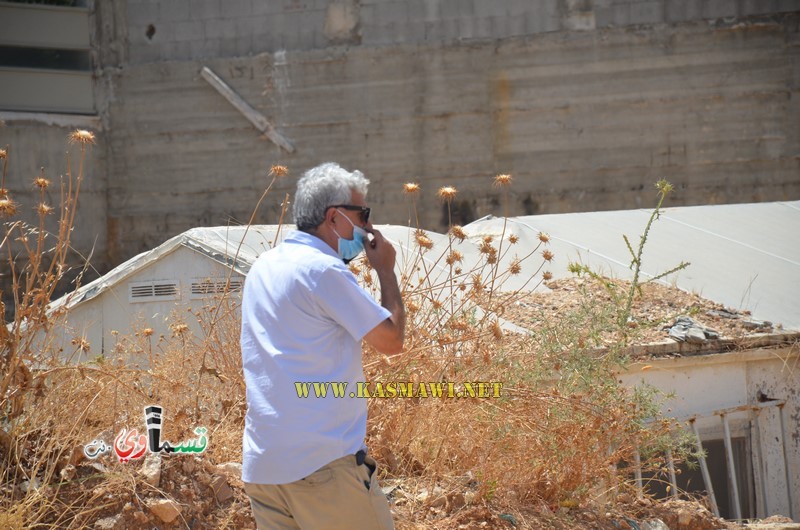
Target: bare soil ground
<point x="653" y="311"/>
<point x="204" y="495"/>
<point x="204" y="492"/>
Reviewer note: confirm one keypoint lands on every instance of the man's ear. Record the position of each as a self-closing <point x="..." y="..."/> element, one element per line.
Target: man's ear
<point x="330" y="215"/>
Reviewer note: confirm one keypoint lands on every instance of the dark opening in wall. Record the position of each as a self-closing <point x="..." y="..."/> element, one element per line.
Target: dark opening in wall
<point x="66" y="3"/>
<point x="46" y="57"/>
<point x="49" y="59"/>
<point x="690" y="479"/>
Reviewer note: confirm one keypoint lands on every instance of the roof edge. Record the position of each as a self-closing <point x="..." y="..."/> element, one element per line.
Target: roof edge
<point x="723" y="345"/>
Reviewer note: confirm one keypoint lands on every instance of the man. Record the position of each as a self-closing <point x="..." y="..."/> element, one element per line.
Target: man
<point x="303" y="319"/>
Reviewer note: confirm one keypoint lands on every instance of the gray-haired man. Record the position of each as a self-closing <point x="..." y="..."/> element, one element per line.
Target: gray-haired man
<point x="303" y="319"/>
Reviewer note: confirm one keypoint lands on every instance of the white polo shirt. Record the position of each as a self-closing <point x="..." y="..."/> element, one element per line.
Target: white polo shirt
<point x="303" y="318"/>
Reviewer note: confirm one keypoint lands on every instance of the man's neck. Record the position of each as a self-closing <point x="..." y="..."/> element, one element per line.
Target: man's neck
<point x="331" y="239"/>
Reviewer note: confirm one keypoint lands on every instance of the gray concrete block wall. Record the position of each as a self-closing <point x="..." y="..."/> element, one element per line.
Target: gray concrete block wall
<point x="231" y="28"/>
<point x="647" y="12"/>
<point x="585" y="114"/>
<point x="584" y="120"/>
<point x="682" y="11"/>
<point x="34" y="145"/>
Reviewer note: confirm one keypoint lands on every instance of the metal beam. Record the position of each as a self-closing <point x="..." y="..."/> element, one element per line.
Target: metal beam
<point x="704" y="469"/>
<point x="762" y="499"/>
<point x="786" y="462"/>
<point x="256" y="118"/>
<point x="637" y="470"/>
<point x="672" y="479"/>
<point x="737" y="508"/>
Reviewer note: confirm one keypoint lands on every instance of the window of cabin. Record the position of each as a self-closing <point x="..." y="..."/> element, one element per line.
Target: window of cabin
<point x="45" y="56"/>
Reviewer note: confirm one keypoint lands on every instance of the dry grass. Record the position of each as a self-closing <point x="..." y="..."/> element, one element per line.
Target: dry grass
<point x="549" y="446"/>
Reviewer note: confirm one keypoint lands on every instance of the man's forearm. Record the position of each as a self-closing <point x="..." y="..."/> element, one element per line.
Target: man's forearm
<point x="392" y="300"/>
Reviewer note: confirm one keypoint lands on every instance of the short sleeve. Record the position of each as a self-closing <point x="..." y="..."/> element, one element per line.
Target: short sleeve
<point x="341" y="298"/>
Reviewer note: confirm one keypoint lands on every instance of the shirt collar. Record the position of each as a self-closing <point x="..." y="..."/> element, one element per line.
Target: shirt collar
<point x="304" y="238"/>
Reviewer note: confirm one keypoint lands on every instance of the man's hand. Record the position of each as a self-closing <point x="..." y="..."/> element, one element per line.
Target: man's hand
<point x="380" y="253"/>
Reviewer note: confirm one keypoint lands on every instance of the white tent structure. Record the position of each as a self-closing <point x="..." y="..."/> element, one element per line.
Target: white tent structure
<point x="744" y="256"/>
<point x="157" y="287"/>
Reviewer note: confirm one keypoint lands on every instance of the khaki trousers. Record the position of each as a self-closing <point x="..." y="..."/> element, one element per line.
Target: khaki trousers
<point x="334" y="497"/>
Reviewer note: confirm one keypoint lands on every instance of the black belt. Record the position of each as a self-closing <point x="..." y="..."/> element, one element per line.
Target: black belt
<point x="361" y="456"/>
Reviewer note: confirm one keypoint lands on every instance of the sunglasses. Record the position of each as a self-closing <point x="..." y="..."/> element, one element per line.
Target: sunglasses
<point x="362" y="210"/>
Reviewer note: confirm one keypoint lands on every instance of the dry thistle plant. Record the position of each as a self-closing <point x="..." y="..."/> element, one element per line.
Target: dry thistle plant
<point x="625" y="318"/>
<point x="562" y="424"/>
<point x="38" y="259"/>
<point x="553" y="436"/>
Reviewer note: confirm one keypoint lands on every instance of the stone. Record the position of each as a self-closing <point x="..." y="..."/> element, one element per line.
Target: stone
<point x="28" y="485"/>
<point x="77" y="456"/>
<point x="653" y="524"/>
<point x="753" y="324"/>
<point x="221" y="489"/>
<point x="97" y="466"/>
<point x="695" y="336"/>
<point x="455" y="501"/>
<point x="108" y="523"/>
<point x="189" y="465"/>
<point x="231" y="468"/>
<point x="439" y="501"/>
<point x="67" y="473"/>
<point x="151" y="469"/>
<point x="437" y="494"/>
<point x="165" y="509"/>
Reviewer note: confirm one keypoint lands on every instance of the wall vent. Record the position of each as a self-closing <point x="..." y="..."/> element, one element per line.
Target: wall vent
<point x="206" y="287"/>
<point x="155" y="291"/>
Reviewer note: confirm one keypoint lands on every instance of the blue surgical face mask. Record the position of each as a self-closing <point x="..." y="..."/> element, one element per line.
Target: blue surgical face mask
<point x="350" y="248"/>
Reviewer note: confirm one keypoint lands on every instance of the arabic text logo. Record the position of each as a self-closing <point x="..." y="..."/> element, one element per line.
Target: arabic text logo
<point x="130" y="445"/>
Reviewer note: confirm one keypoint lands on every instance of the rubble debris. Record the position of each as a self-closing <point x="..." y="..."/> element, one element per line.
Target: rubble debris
<point x="222" y="490"/>
<point x="151" y="469"/>
<point x="508" y="517"/>
<point x="108" y="523"/>
<point x="230" y="468"/>
<point x="749" y="323"/>
<point x="165" y="509"/>
<point x="67" y="473"/>
<point x="657" y="306"/>
<point x="775" y="522"/>
<point x="28" y="485"/>
<point x="723" y="313"/>
<point x="685" y="329"/>
<point x="753" y="324"/>
<point x="655" y="524"/>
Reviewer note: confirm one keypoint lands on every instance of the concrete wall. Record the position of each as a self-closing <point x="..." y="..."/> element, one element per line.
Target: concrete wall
<point x="40" y="141"/>
<point x="195" y="29"/>
<point x="587" y="103"/>
<point x="584" y="120"/>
